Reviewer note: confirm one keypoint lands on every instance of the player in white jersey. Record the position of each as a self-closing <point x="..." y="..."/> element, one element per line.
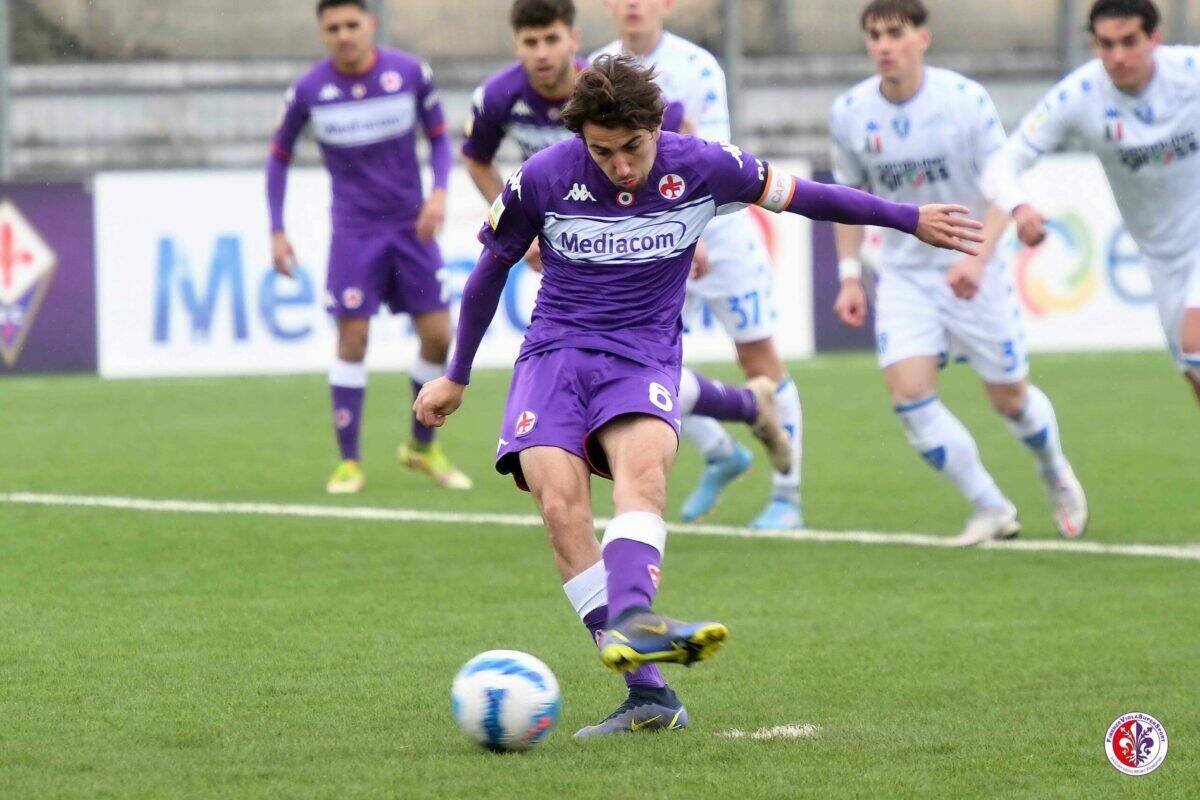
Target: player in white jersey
<point x="915" y="133"/>
<point x="737" y="287"/>
<point x="1137" y="107"/>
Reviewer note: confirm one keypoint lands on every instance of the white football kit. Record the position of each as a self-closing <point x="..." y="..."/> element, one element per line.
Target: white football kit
<point x="931" y="149"/>
<point x="737" y="289"/>
<point x="1149" y="146"/>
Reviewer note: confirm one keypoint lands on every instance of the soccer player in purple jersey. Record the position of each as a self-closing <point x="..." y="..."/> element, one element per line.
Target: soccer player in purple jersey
<point x="595" y="387"/>
<point x="364" y="104"/>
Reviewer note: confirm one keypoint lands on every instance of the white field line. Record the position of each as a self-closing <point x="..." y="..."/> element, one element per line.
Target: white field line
<point x="1176" y="552"/>
<point x="804" y="730"/>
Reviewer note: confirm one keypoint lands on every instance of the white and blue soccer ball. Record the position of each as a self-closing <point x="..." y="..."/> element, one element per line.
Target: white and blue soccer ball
<point x="505" y="700"/>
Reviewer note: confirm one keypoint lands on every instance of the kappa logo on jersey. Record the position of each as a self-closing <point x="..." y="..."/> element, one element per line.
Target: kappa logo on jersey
<point x="579" y="192"/>
<point x="26" y="267"/>
<point x="328" y="92"/>
<point x="734" y="151"/>
<point x="514" y="183"/>
<point x="390" y="81"/>
<point x="525" y="423"/>
<point x="671" y="186"/>
<point x="521" y="109"/>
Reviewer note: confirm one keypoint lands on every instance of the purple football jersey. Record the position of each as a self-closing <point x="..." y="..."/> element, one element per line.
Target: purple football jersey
<point x="508" y="105"/>
<point x="615" y="262"/>
<point x="365" y="126"/>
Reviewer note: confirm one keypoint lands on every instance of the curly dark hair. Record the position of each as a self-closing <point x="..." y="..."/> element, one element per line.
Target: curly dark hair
<point x="615" y="92"/>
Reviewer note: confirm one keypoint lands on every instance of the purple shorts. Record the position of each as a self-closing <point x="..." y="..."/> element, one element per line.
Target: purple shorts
<point x="560" y="398"/>
<point x="382" y="265"/>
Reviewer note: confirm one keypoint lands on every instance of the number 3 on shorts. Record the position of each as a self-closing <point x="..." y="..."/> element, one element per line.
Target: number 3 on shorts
<point x="660" y="397"/>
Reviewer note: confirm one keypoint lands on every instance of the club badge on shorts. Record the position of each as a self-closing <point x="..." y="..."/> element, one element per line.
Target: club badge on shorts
<point x="1136" y="743"/>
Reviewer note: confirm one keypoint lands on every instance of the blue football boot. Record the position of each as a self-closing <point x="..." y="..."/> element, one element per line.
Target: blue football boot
<point x="779" y="515"/>
<point x="646" y="709"/>
<point x="717" y="475"/>
<point x="639" y="636"/>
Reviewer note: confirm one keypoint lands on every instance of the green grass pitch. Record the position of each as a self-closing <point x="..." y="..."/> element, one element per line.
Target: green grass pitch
<point x="168" y="655"/>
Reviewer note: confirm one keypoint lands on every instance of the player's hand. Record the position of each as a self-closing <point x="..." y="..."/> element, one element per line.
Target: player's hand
<point x="437" y="400"/>
<point x="283" y="257"/>
<point x="700" y="262"/>
<point x="950" y="228"/>
<point x="433" y="214"/>
<point x="851" y="303"/>
<point x="1031" y="225"/>
<point x="533" y="256"/>
<point x="965" y="278"/>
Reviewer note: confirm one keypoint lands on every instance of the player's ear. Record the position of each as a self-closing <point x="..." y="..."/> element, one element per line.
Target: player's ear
<point x="926" y="37"/>
<point x="576" y="38"/>
<point x="1156" y="37"/>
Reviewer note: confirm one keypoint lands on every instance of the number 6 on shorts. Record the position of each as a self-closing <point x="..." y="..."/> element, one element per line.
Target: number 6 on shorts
<point x="660" y="397"/>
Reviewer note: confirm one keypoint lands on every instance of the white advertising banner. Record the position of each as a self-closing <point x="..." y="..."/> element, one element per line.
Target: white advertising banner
<point x="1086" y="286"/>
<point x="185" y="284"/>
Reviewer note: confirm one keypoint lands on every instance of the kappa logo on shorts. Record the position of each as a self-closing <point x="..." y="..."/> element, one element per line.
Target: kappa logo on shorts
<point x="390" y="81"/>
<point x="352" y="297"/>
<point x="525" y="422"/>
<point x="671" y="186"/>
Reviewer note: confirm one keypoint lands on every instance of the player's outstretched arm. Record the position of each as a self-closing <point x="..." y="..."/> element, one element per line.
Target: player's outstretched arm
<point x="440" y="398"/>
<point x="945" y="226"/>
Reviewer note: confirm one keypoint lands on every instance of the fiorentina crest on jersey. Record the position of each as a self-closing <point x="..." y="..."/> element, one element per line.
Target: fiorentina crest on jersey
<point x="26" y="268"/>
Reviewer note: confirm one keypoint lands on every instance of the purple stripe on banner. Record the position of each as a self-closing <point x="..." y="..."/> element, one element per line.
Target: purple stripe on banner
<point x="830" y="333"/>
<point x="47" y="279"/>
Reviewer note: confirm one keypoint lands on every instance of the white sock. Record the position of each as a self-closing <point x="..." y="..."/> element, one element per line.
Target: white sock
<point x="1037" y="427"/>
<point x="708" y="436"/>
<point x="689" y="391"/>
<point x="423" y="371"/>
<point x="588" y="590"/>
<point x="348" y="374"/>
<point x="786" y="487"/>
<point x="947" y="446"/>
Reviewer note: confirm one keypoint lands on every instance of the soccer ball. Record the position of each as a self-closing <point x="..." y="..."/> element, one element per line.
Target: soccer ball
<point x="505" y="700"/>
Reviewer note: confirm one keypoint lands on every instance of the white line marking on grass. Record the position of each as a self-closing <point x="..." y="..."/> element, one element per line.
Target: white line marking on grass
<point x="805" y="730"/>
<point x="1183" y="552"/>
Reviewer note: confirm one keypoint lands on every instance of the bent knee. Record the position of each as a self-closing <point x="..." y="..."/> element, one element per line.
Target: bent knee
<point x="1008" y="399"/>
<point x="643" y="487"/>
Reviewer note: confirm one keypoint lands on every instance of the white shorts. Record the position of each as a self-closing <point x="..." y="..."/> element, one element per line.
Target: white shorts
<point x="737" y="289"/>
<point x="917" y="314"/>
<point x="1176" y="285"/>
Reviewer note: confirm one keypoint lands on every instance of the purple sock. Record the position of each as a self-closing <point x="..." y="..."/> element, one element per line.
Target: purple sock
<point x="632" y="569"/>
<point x="420" y="433"/>
<point x="646" y="674"/>
<point x="725" y="403"/>
<point x="347" y="412"/>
